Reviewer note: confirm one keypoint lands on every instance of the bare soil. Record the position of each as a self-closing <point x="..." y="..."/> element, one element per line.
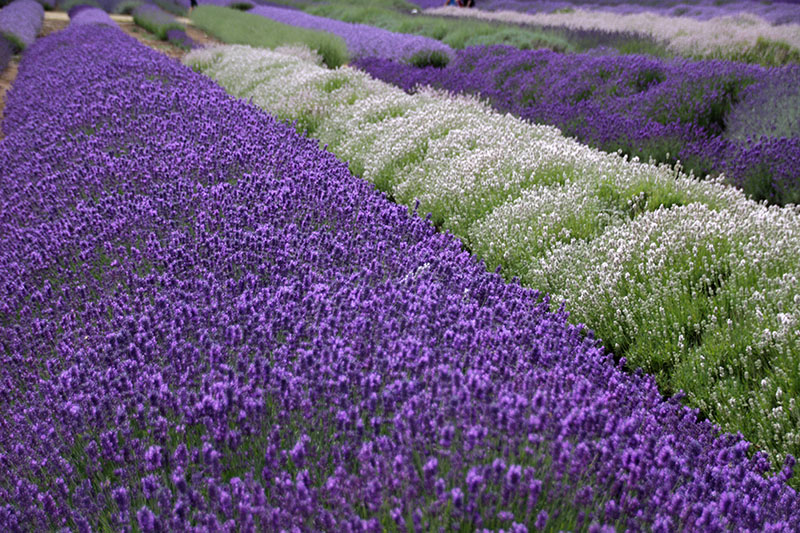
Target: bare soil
<point x="55" y="21"/>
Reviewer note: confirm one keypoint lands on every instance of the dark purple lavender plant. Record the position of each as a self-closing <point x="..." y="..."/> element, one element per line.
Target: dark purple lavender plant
<point x="180" y="38"/>
<point x="207" y="322"/>
<point x="6" y="51"/>
<point x="363" y="40"/>
<point x="647" y="107"/>
<point x="20" y="21"/>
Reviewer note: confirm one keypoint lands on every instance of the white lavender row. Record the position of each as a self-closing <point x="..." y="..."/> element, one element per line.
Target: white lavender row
<point x="720" y="37"/>
<point x="715" y="315"/>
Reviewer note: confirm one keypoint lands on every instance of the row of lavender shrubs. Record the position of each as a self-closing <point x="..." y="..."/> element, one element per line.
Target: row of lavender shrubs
<point x="208" y="323"/>
<point x="20" y="22"/>
<point x="366" y="41"/>
<point x="165" y="26"/>
<point x="714" y="116"/>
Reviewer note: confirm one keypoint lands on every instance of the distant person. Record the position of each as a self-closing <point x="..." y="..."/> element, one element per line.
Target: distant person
<point x="467" y="3"/>
<point x="452" y="3"/>
<point x="193" y="5"/>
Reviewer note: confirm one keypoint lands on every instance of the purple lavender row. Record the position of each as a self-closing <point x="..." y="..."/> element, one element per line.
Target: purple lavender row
<point x="208" y="323"/>
<point x="362" y="40"/>
<point x="648" y="107"/>
<point x="20" y="22"/>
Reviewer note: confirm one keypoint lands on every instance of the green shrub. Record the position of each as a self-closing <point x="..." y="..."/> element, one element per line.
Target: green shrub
<point x="241" y="6"/>
<point x="454" y="32"/>
<point x="429" y="58"/>
<point x="155" y="20"/>
<point x="126" y="7"/>
<point x="66" y="5"/>
<point x="235" y="27"/>
<point x="171" y="7"/>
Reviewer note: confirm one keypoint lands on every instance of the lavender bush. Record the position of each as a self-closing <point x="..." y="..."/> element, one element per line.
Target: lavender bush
<point x="362" y="40"/>
<point x="91" y="16"/>
<point x="647" y="107"/>
<point x="209" y="323"/>
<point x="180" y="38"/>
<point x="20" y="22"/>
<point x="702" y="304"/>
<point x="6" y="51"/>
<point x="768" y="108"/>
<point x="155" y="20"/>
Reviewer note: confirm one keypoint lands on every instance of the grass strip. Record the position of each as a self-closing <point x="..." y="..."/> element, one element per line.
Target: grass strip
<point x="236" y="27"/>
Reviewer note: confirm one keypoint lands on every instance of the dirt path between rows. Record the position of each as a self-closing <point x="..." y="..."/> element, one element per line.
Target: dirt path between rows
<point x="56" y="21"/>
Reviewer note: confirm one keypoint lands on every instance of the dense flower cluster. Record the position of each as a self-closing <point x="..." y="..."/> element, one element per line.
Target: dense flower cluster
<point x="774" y="12"/>
<point x="362" y="40"/>
<point x="522" y="196"/>
<point x="207" y="320"/>
<point x="20" y="21"/>
<point x="155" y="20"/>
<point x="720" y="37"/>
<point x="667" y="110"/>
<point x="91" y="16"/>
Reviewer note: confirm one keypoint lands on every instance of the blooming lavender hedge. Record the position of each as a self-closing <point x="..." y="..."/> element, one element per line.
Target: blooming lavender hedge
<point x="208" y="322"/>
<point x="363" y="40"/>
<point x="667" y="110"/>
<point x="20" y="22"/>
<point x="155" y="20"/>
<point x="702" y="302"/>
<point x="90" y="17"/>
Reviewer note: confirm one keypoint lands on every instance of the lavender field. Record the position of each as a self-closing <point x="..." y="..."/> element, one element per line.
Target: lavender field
<point x="439" y="288"/>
